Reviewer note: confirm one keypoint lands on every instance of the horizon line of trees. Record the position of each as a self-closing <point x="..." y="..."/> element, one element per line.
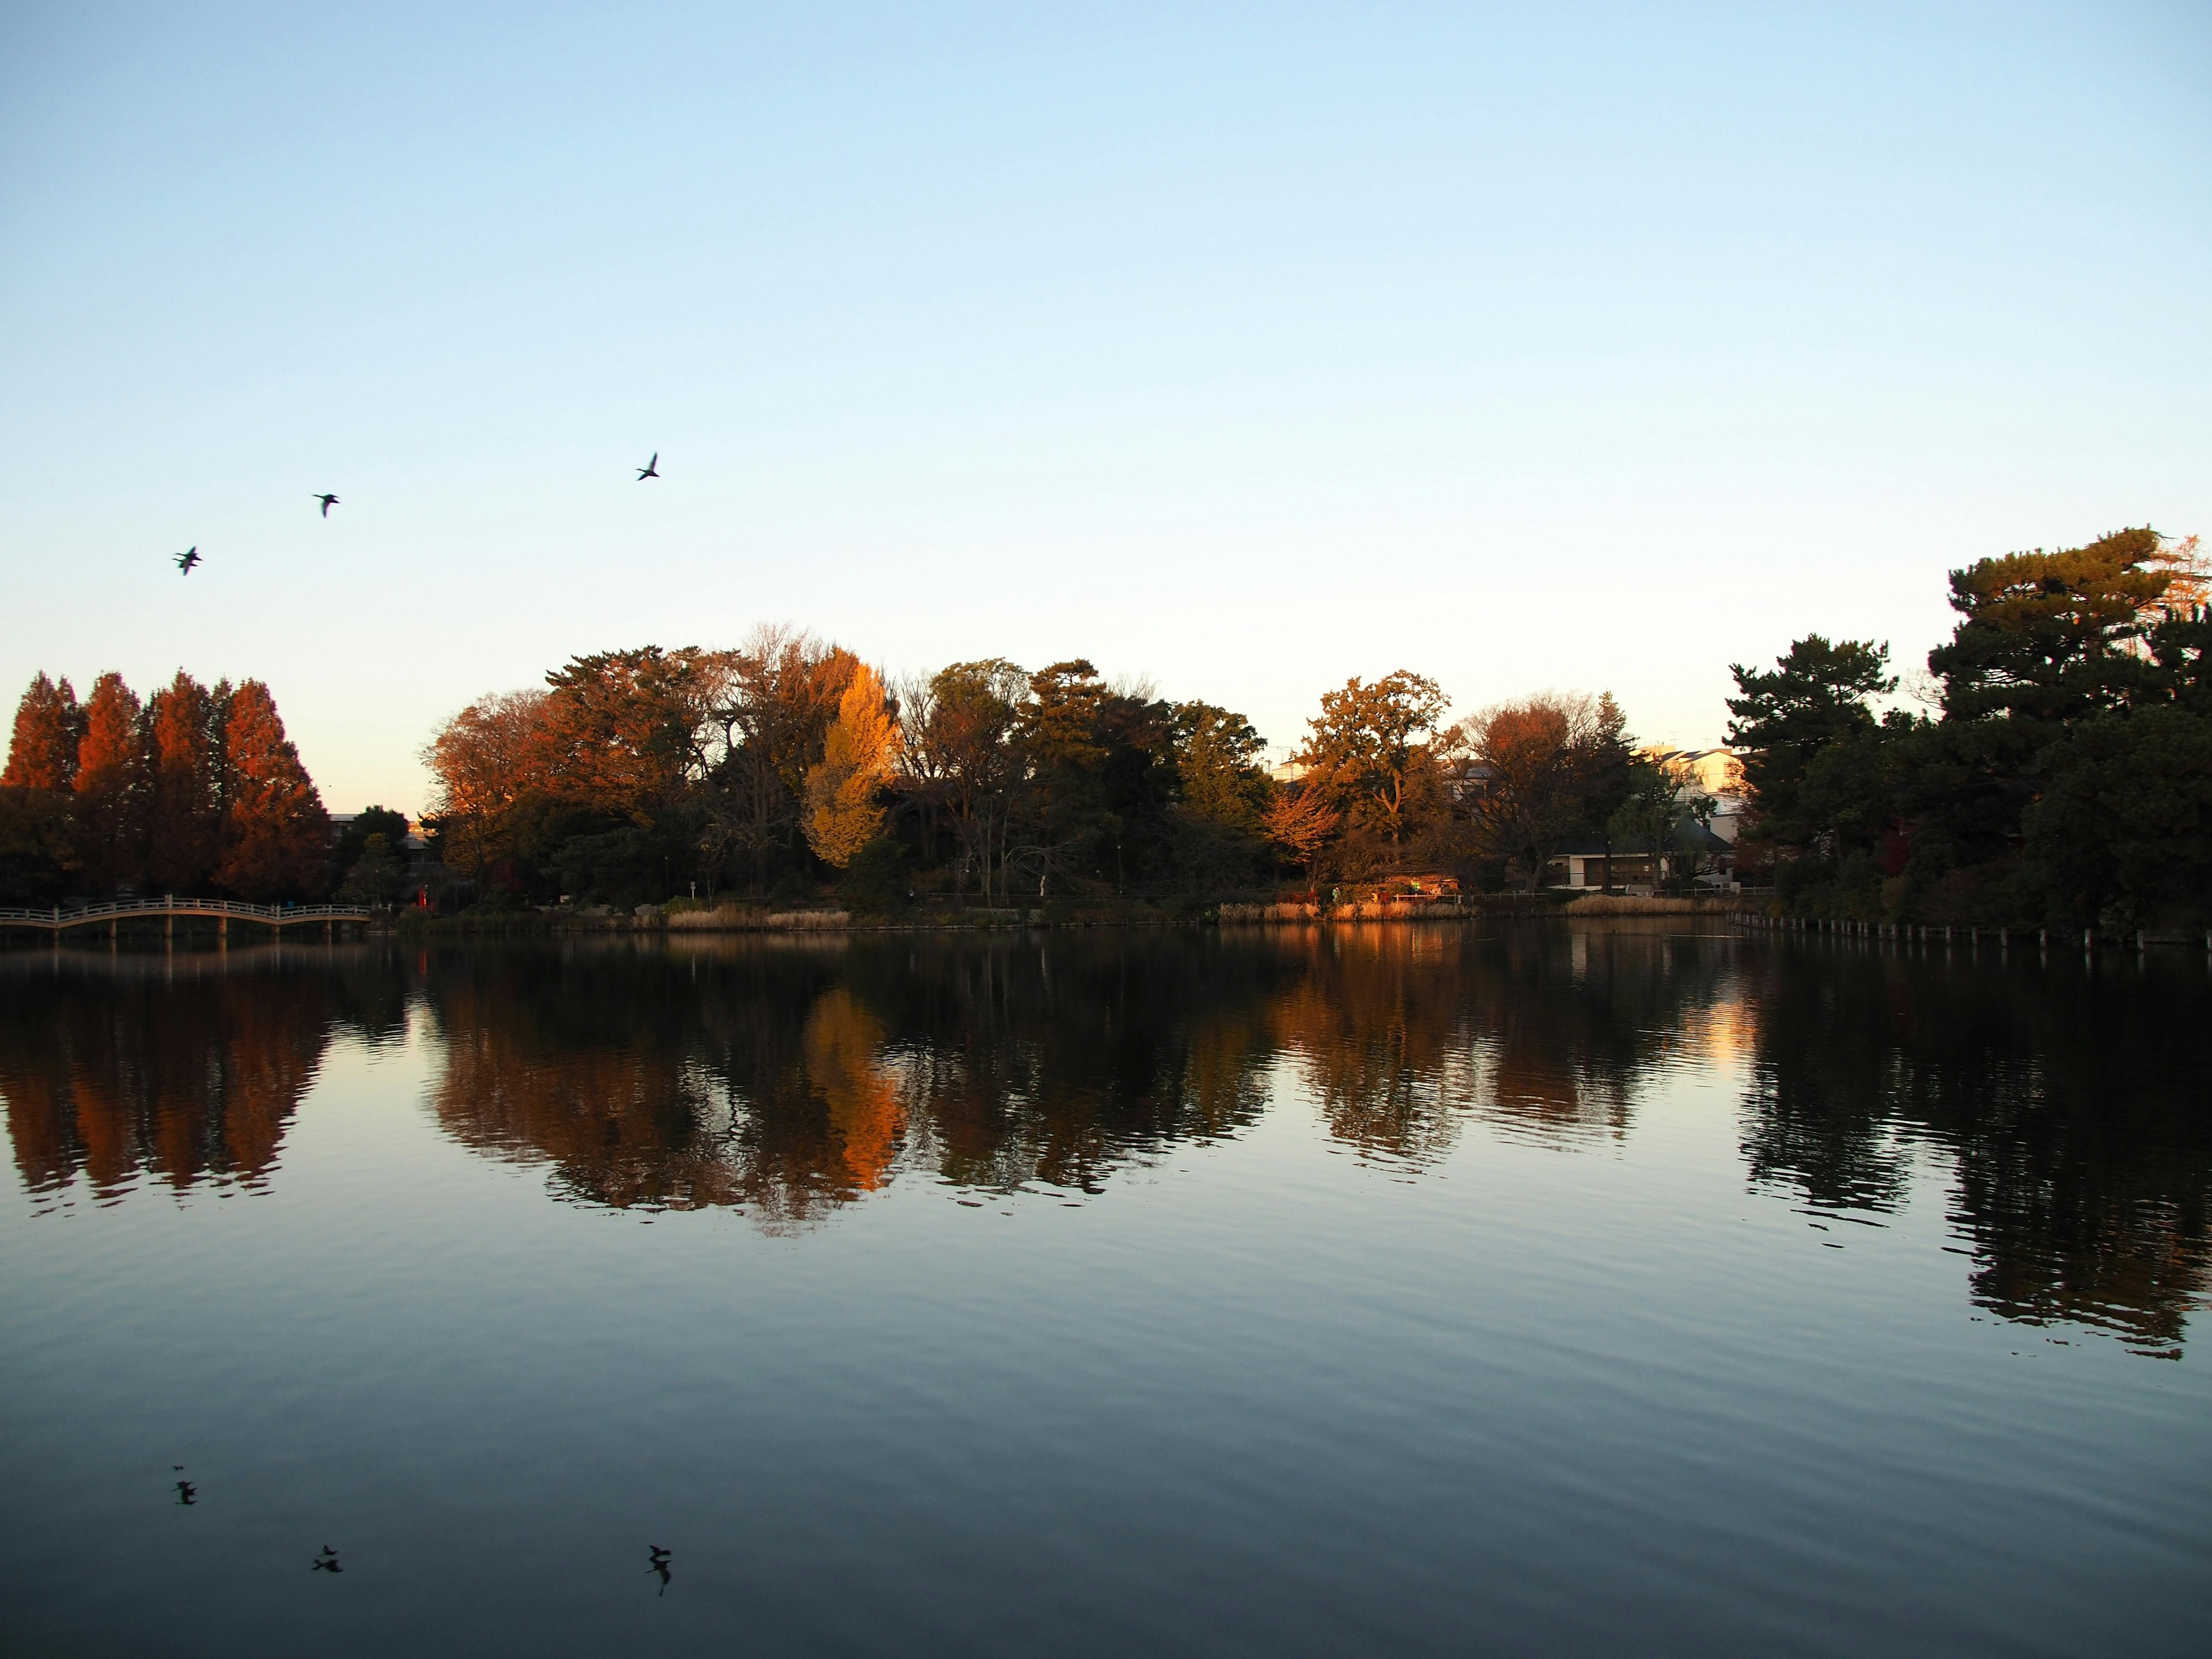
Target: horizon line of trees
<point x="2060" y="775"/>
<point x="787" y="761"/>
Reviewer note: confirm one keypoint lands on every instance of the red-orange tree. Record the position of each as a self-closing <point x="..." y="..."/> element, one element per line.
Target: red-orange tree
<point x="276" y="836"/>
<point x="49" y="726"/>
<point x="108" y="822"/>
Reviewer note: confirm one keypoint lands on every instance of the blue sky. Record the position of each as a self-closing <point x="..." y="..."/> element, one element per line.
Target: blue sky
<point x="1242" y="348"/>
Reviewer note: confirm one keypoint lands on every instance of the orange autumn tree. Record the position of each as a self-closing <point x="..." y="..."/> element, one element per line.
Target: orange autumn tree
<point x="859" y="753"/>
<point x="34" y="792"/>
<point x="276" y="836"/>
<point x="196" y="790"/>
<point x="107" y="841"/>
<point x="49" y="726"/>
<point x="487" y="759"/>
<point x="184" y="817"/>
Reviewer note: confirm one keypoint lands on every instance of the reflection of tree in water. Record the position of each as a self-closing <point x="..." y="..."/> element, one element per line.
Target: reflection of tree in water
<point x="592" y="1059"/>
<point x="186" y="1067"/>
<point x="1819" y="1116"/>
<point x="2074" y="1114"/>
<point x="1056" y="1061"/>
<point x="792" y="1077"/>
<point x="1399" y="1031"/>
<point x="795" y="1076"/>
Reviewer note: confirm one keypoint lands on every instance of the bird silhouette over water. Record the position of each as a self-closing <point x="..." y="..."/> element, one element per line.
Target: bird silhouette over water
<point x="327" y="1562"/>
<point x="651" y="468"/>
<point x="328" y="501"/>
<point x="658" y="1558"/>
<point x="188" y="558"/>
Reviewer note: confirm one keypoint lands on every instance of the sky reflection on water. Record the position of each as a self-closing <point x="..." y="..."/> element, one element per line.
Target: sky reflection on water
<point x="1362" y="1211"/>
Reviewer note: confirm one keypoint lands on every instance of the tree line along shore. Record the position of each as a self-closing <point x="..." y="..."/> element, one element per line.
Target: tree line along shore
<point x="2052" y="769"/>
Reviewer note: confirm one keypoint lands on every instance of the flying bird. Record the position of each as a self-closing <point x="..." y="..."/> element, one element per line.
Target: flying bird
<point x="651" y="468"/>
<point x="328" y="501"/>
<point x="188" y="558"/>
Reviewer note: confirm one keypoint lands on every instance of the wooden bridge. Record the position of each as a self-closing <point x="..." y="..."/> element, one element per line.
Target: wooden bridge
<point x="55" y="919"/>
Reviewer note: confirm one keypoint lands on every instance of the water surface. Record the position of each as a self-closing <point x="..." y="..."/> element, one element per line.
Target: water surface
<point x="1521" y="1289"/>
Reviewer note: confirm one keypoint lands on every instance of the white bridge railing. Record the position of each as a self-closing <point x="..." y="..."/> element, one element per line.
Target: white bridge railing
<point x="55" y="917"/>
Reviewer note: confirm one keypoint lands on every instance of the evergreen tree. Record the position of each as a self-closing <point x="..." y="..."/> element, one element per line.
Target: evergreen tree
<point x="1815" y="695"/>
<point x="1222" y="797"/>
<point x="2046" y="638"/>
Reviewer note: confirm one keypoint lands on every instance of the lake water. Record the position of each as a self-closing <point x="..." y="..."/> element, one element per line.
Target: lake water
<point x="1514" y="1289"/>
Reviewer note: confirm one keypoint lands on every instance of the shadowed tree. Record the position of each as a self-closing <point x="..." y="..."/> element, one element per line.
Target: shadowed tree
<point x="1540" y="761"/>
<point x="961" y="753"/>
<point x="1223" y="796"/>
<point x="781" y="692"/>
<point x="2047" y="644"/>
<point x="1064" y="810"/>
<point x="1815" y="695"/>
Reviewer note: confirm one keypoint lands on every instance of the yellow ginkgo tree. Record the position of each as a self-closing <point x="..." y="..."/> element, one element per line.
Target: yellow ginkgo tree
<point x="843" y="813"/>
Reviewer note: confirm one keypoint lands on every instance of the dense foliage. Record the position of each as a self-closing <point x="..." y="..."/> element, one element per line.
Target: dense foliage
<point x="785" y="762"/>
<point x="195" y="790"/>
<point x="2063" y="777"/>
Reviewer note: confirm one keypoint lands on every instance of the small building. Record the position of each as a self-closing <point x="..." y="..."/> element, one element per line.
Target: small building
<point x="1584" y="863"/>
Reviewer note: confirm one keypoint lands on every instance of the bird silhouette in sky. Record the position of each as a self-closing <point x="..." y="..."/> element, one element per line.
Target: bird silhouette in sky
<point x="188" y="558"/>
<point x="328" y="501"/>
<point x="658" y="1557"/>
<point x="651" y="468"/>
<point x="187" y="1492"/>
<point x="327" y="1562"/>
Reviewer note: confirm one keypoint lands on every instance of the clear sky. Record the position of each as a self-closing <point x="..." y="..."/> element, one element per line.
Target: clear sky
<point x="1242" y="348"/>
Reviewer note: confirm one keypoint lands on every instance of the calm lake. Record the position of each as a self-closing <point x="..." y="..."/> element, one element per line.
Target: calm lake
<point x="1512" y="1288"/>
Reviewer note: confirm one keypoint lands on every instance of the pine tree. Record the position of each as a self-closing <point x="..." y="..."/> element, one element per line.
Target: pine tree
<point x="276" y="836"/>
<point x="49" y="726"/>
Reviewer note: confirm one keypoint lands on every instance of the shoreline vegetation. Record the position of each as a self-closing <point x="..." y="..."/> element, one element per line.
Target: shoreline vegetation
<point x="681" y="918"/>
<point x="2052" y="770"/>
<point x="690" y="919"/>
